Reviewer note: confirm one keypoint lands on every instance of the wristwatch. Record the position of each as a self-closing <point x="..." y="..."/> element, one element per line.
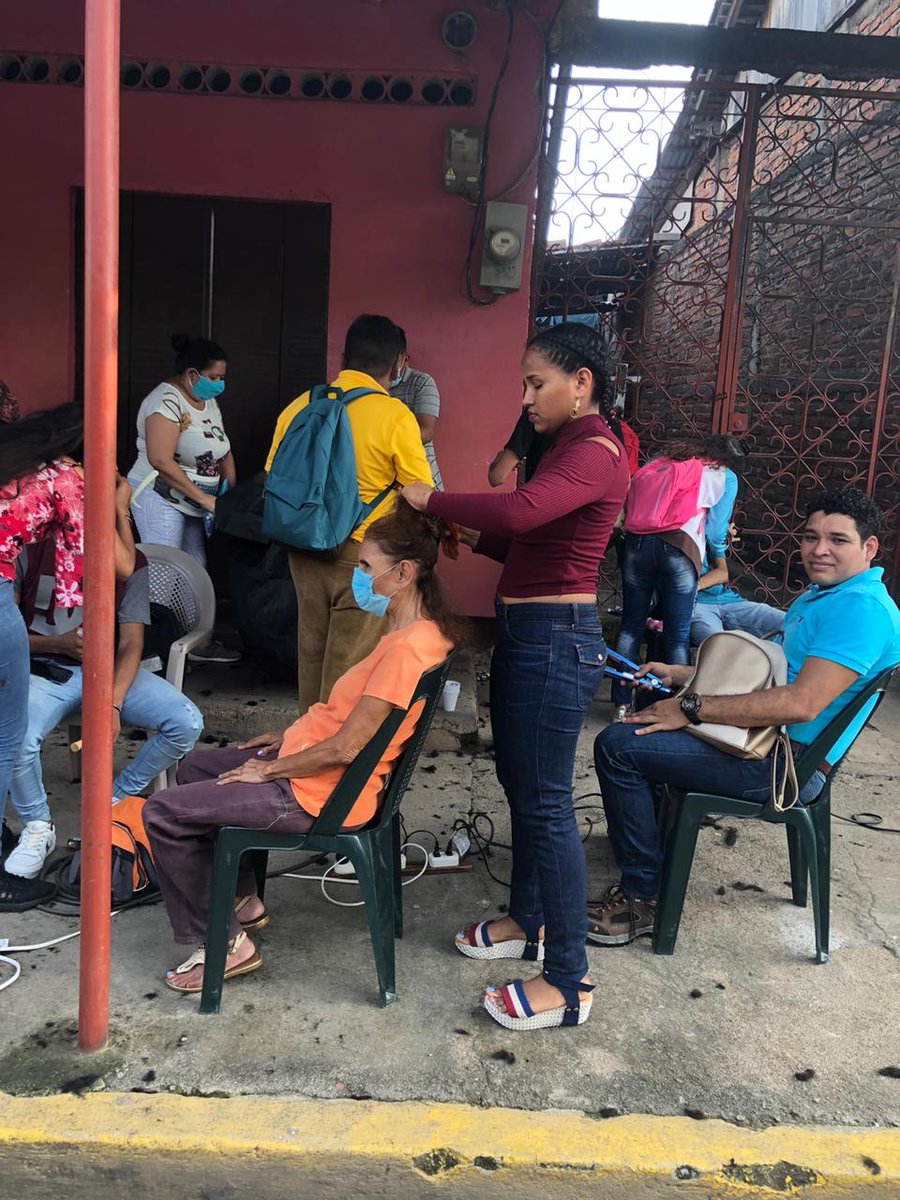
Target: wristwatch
<point x="690" y="706"/>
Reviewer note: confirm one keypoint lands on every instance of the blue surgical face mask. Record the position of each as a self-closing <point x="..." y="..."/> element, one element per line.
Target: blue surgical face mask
<point x="369" y="601"/>
<point x="204" y="389"/>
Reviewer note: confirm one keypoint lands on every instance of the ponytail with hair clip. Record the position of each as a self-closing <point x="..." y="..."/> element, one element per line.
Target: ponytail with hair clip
<point x="445" y="533"/>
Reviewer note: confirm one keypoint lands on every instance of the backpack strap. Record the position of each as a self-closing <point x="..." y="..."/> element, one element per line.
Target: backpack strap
<point x="348" y="398"/>
<point x="379" y="499"/>
<point x="356" y="394"/>
<point x="324" y="391"/>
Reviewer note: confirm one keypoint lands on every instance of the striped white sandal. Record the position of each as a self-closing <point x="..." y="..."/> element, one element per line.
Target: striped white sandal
<point x="512" y="1010"/>
<point x="475" y="942"/>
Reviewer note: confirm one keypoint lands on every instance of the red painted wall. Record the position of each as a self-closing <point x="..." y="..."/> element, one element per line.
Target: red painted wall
<point x="398" y="239"/>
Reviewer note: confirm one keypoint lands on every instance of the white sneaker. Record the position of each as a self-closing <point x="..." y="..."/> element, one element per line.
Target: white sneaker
<point x="36" y="842"/>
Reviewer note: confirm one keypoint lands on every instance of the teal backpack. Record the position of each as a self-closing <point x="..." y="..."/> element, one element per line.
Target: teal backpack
<point x="311" y="496"/>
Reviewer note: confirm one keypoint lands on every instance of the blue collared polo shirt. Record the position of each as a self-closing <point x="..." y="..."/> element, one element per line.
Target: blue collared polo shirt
<point x="855" y="624"/>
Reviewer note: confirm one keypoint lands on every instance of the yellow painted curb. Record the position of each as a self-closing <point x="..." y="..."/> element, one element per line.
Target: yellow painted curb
<point x="440" y="1141"/>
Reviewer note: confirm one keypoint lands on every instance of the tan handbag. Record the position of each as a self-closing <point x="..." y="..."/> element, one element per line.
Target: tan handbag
<point x="733" y="663"/>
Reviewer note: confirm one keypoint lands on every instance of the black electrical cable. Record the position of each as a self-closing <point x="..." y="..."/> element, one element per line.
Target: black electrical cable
<point x="545" y="81"/>
<point x="427" y="832"/>
<point x="478" y="213"/>
<point x="867" y="820"/>
<point x="309" y="861"/>
<point x="485" y="841"/>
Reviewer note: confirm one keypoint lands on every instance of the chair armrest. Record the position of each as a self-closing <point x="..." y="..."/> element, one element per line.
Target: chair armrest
<point x="178" y="653"/>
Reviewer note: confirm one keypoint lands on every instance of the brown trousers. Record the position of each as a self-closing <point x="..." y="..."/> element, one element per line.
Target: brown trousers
<point x="182" y="824"/>
<point x="333" y="633"/>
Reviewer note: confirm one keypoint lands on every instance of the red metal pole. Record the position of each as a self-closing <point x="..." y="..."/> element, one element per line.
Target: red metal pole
<point x="101" y="306"/>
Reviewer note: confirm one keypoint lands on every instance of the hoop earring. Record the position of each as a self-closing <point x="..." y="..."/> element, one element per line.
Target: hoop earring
<point x="576" y="409"/>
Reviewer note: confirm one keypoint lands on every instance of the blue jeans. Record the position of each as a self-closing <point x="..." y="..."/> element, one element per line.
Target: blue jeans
<point x="150" y="703"/>
<point x="13" y="685"/>
<point x="546" y="668"/>
<point x="651" y="566"/>
<point x="629" y="768"/>
<point x="744" y="615"/>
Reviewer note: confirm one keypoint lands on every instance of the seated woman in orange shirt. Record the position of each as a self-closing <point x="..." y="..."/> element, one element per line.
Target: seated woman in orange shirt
<point x="282" y="781"/>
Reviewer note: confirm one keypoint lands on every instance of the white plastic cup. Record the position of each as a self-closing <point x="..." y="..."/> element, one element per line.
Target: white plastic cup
<point x="450" y="695"/>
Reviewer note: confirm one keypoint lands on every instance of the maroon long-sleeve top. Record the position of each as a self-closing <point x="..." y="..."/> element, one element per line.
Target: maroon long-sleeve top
<point x="552" y="533"/>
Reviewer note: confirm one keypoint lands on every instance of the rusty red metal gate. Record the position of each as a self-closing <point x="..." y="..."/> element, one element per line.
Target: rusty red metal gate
<point x="739" y="243"/>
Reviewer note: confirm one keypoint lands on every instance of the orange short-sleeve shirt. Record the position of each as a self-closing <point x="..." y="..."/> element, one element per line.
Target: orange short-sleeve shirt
<point x="389" y="673"/>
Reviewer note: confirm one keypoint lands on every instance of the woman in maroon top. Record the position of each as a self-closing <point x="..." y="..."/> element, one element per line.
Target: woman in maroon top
<point x="550" y="535"/>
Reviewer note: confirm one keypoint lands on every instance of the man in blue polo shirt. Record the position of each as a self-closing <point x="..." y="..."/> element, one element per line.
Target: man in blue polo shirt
<point x="839" y="634"/>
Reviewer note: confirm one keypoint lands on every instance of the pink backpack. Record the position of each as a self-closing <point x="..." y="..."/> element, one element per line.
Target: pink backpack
<point x="663" y="495"/>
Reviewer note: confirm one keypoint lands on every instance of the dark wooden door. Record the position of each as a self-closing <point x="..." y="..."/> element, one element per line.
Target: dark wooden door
<point x="269" y="293"/>
<point x="251" y="275"/>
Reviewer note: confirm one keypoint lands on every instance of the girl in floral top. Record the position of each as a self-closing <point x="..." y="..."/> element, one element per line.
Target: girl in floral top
<point x="41" y="495"/>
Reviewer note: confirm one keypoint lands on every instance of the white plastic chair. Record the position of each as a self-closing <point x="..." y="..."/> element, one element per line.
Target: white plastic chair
<point x="183" y="586"/>
<point x="180" y="583"/>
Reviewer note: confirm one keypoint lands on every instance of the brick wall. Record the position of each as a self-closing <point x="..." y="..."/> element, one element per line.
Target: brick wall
<point x="820" y="281"/>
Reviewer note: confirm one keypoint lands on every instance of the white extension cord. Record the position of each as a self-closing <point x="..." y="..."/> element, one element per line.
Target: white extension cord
<point x="17" y="967"/>
<point x="352" y="880"/>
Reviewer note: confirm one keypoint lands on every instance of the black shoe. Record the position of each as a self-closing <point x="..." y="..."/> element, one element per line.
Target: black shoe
<point x="8" y="841"/>
<point x="18" y="894"/>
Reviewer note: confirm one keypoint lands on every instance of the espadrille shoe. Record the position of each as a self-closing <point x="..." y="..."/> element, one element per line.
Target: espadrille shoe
<point x="475" y="942"/>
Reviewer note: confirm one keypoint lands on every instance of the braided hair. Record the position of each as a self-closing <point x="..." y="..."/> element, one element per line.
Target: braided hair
<point x="570" y="347"/>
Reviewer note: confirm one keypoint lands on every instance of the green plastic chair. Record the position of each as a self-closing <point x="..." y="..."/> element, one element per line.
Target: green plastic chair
<point x="808" y="832"/>
<point x="374" y="850"/>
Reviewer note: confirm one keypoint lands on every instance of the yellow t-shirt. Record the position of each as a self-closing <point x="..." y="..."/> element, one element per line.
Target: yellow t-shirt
<point x="390" y="673"/>
<point x="386" y="441"/>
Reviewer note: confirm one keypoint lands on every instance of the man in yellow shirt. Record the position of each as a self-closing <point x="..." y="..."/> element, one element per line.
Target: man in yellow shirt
<point x="333" y="633"/>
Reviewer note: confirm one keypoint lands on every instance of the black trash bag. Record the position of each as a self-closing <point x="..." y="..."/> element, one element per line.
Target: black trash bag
<point x="264" y="604"/>
<point x="239" y="511"/>
<point x="263" y="600"/>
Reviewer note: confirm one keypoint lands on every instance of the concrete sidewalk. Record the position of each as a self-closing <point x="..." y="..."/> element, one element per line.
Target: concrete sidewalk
<point x="740" y="1024"/>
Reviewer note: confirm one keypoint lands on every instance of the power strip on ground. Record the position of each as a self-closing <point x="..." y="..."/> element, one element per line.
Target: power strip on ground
<point x="443" y="862"/>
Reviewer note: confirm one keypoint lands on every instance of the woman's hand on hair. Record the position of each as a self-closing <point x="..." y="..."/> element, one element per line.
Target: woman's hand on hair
<point x="416" y="495"/>
<point x="469" y="537"/>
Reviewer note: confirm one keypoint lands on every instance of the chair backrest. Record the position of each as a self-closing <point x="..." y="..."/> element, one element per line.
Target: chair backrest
<point x="354" y="779"/>
<point x="180" y="584"/>
<point x="818" y="750"/>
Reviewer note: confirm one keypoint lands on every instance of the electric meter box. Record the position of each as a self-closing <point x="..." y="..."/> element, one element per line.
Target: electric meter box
<point x="462" y="160"/>
<point x="505" y="227"/>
